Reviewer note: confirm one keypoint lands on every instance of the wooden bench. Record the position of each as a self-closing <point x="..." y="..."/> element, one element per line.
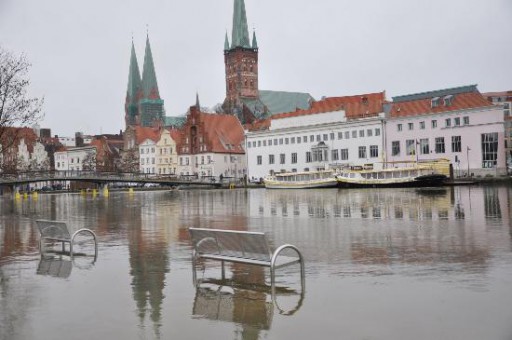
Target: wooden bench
<point x="242" y="247"/>
<point x="56" y="231"/>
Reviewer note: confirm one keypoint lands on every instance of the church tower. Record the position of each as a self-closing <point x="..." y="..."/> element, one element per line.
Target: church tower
<point x="151" y="106"/>
<point x="143" y="105"/>
<point x="241" y="62"/>
<point x="134" y="92"/>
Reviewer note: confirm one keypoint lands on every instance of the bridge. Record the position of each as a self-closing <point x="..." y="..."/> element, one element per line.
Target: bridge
<point x="104" y="178"/>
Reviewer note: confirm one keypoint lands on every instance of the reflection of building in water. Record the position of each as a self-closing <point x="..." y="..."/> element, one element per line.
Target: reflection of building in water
<point x="454" y="203"/>
<point x="384" y="226"/>
<point x="251" y="310"/>
<point x="149" y="238"/>
<point x="204" y="208"/>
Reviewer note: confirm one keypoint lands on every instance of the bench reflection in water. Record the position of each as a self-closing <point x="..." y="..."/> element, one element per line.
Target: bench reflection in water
<point x="60" y="266"/>
<point x="247" y="305"/>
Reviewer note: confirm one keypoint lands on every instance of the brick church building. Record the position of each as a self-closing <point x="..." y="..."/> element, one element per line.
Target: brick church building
<point x="243" y="96"/>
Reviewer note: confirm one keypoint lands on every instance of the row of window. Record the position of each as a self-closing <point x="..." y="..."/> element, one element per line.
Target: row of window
<point x="209" y="160"/>
<point x="433" y="123"/>
<point x="163" y="151"/>
<point x="412" y="145"/>
<point x="148" y="161"/>
<point x="322" y="155"/>
<point x="318" y="138"/>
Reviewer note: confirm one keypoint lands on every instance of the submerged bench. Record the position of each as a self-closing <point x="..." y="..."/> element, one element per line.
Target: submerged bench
<point x="56" y="231"/>
<point x="241" y="247"/>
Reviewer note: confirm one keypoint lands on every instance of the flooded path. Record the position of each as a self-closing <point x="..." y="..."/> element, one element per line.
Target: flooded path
<point x="380" y="264"/>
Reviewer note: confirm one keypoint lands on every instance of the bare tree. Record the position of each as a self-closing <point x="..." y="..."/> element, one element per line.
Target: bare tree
<point x="129" y="161"/>
<point x="17" y="109"/>
<point x="89" y="162"/>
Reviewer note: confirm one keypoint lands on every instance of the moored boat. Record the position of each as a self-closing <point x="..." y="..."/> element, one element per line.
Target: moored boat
<point x="301" y="180"/>
<point x="395" y="175"/>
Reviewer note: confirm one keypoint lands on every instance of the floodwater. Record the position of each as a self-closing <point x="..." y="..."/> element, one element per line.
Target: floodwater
<point x="380" y="264"/>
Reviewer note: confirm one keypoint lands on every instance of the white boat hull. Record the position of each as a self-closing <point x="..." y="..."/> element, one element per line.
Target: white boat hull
<point x="301" y="185"/>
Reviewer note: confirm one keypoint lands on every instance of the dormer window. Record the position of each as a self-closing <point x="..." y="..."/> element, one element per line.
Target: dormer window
<point x="435" y="102"/>
<point x="448" y="100"/>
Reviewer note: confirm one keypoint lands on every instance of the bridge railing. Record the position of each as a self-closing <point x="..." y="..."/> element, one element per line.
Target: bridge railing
<point x="106" y="175"/>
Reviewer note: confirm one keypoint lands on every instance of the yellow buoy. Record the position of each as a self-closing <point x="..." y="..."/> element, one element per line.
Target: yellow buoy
<point x="17" y="195"/>
<point x="130" y="191"/>
<point x="105" y="191"/>
<point x="35" y="195"/>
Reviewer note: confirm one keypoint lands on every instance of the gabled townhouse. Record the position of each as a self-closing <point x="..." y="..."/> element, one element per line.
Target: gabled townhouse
<point x="334" y="132"/>
<point x="147" y="156"/>
<point x="211" y="145"/>
<point x="167" y="155"/>
<point x="158" y="152"/>
<point x="458" y="124"/>
<point x="21" y="150"/>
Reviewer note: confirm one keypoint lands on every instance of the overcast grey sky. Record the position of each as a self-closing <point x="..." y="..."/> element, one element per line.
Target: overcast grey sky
<point x="80" y="50"/>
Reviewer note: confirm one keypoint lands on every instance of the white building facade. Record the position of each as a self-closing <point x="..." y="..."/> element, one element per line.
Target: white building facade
<point x="457" y="124"/>
<point x="212" y="164"/>
<point x="76" y="159"/>
<point x="312" y="142"/>
<point x="147" y="157"/>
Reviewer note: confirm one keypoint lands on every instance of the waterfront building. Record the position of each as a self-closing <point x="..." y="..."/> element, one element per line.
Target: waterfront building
<point x="157" y="152"/>
<point x="457" y="124"/>
<point x="167" y="155"/>
<point x="147" y="154"/>
<point x="243" y="97"/>
<point x="211" y="145"/>
<point x="76" y="159"/>
<point x="504" y="99"/>
<point x="334" y="132"/>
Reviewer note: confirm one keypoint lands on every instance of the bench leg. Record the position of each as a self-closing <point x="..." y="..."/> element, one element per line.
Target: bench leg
<point x="223" y="271"/>
<point x="63" y="247"/>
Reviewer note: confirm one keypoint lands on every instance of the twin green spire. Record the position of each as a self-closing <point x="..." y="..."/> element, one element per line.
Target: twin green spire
<point x="240" y="34"/>
<point x="148" y="83"/>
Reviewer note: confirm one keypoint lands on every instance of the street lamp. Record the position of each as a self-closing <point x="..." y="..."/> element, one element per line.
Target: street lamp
<point x="467" y="156"/>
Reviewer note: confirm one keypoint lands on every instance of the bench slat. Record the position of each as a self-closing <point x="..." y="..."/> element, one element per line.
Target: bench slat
<point x="53" y="229"/>
<point x="229" y="243"/>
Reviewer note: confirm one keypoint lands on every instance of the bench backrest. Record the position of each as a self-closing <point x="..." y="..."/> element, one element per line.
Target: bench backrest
<point x="54" y="229"/>
<point x="241" y="244"/>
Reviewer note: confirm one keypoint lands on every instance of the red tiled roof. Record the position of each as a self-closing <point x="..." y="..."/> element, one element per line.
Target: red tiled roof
<point x="497" y="94"/>
<point x="461" y="101"/>
<point x="143" y="133"/>
<point x="506" y="94"/>
<point x="175" y="135"/>
<point x="258" y="125"/>
<point x="225" y="133"/>
<point x="360" y="106"/>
